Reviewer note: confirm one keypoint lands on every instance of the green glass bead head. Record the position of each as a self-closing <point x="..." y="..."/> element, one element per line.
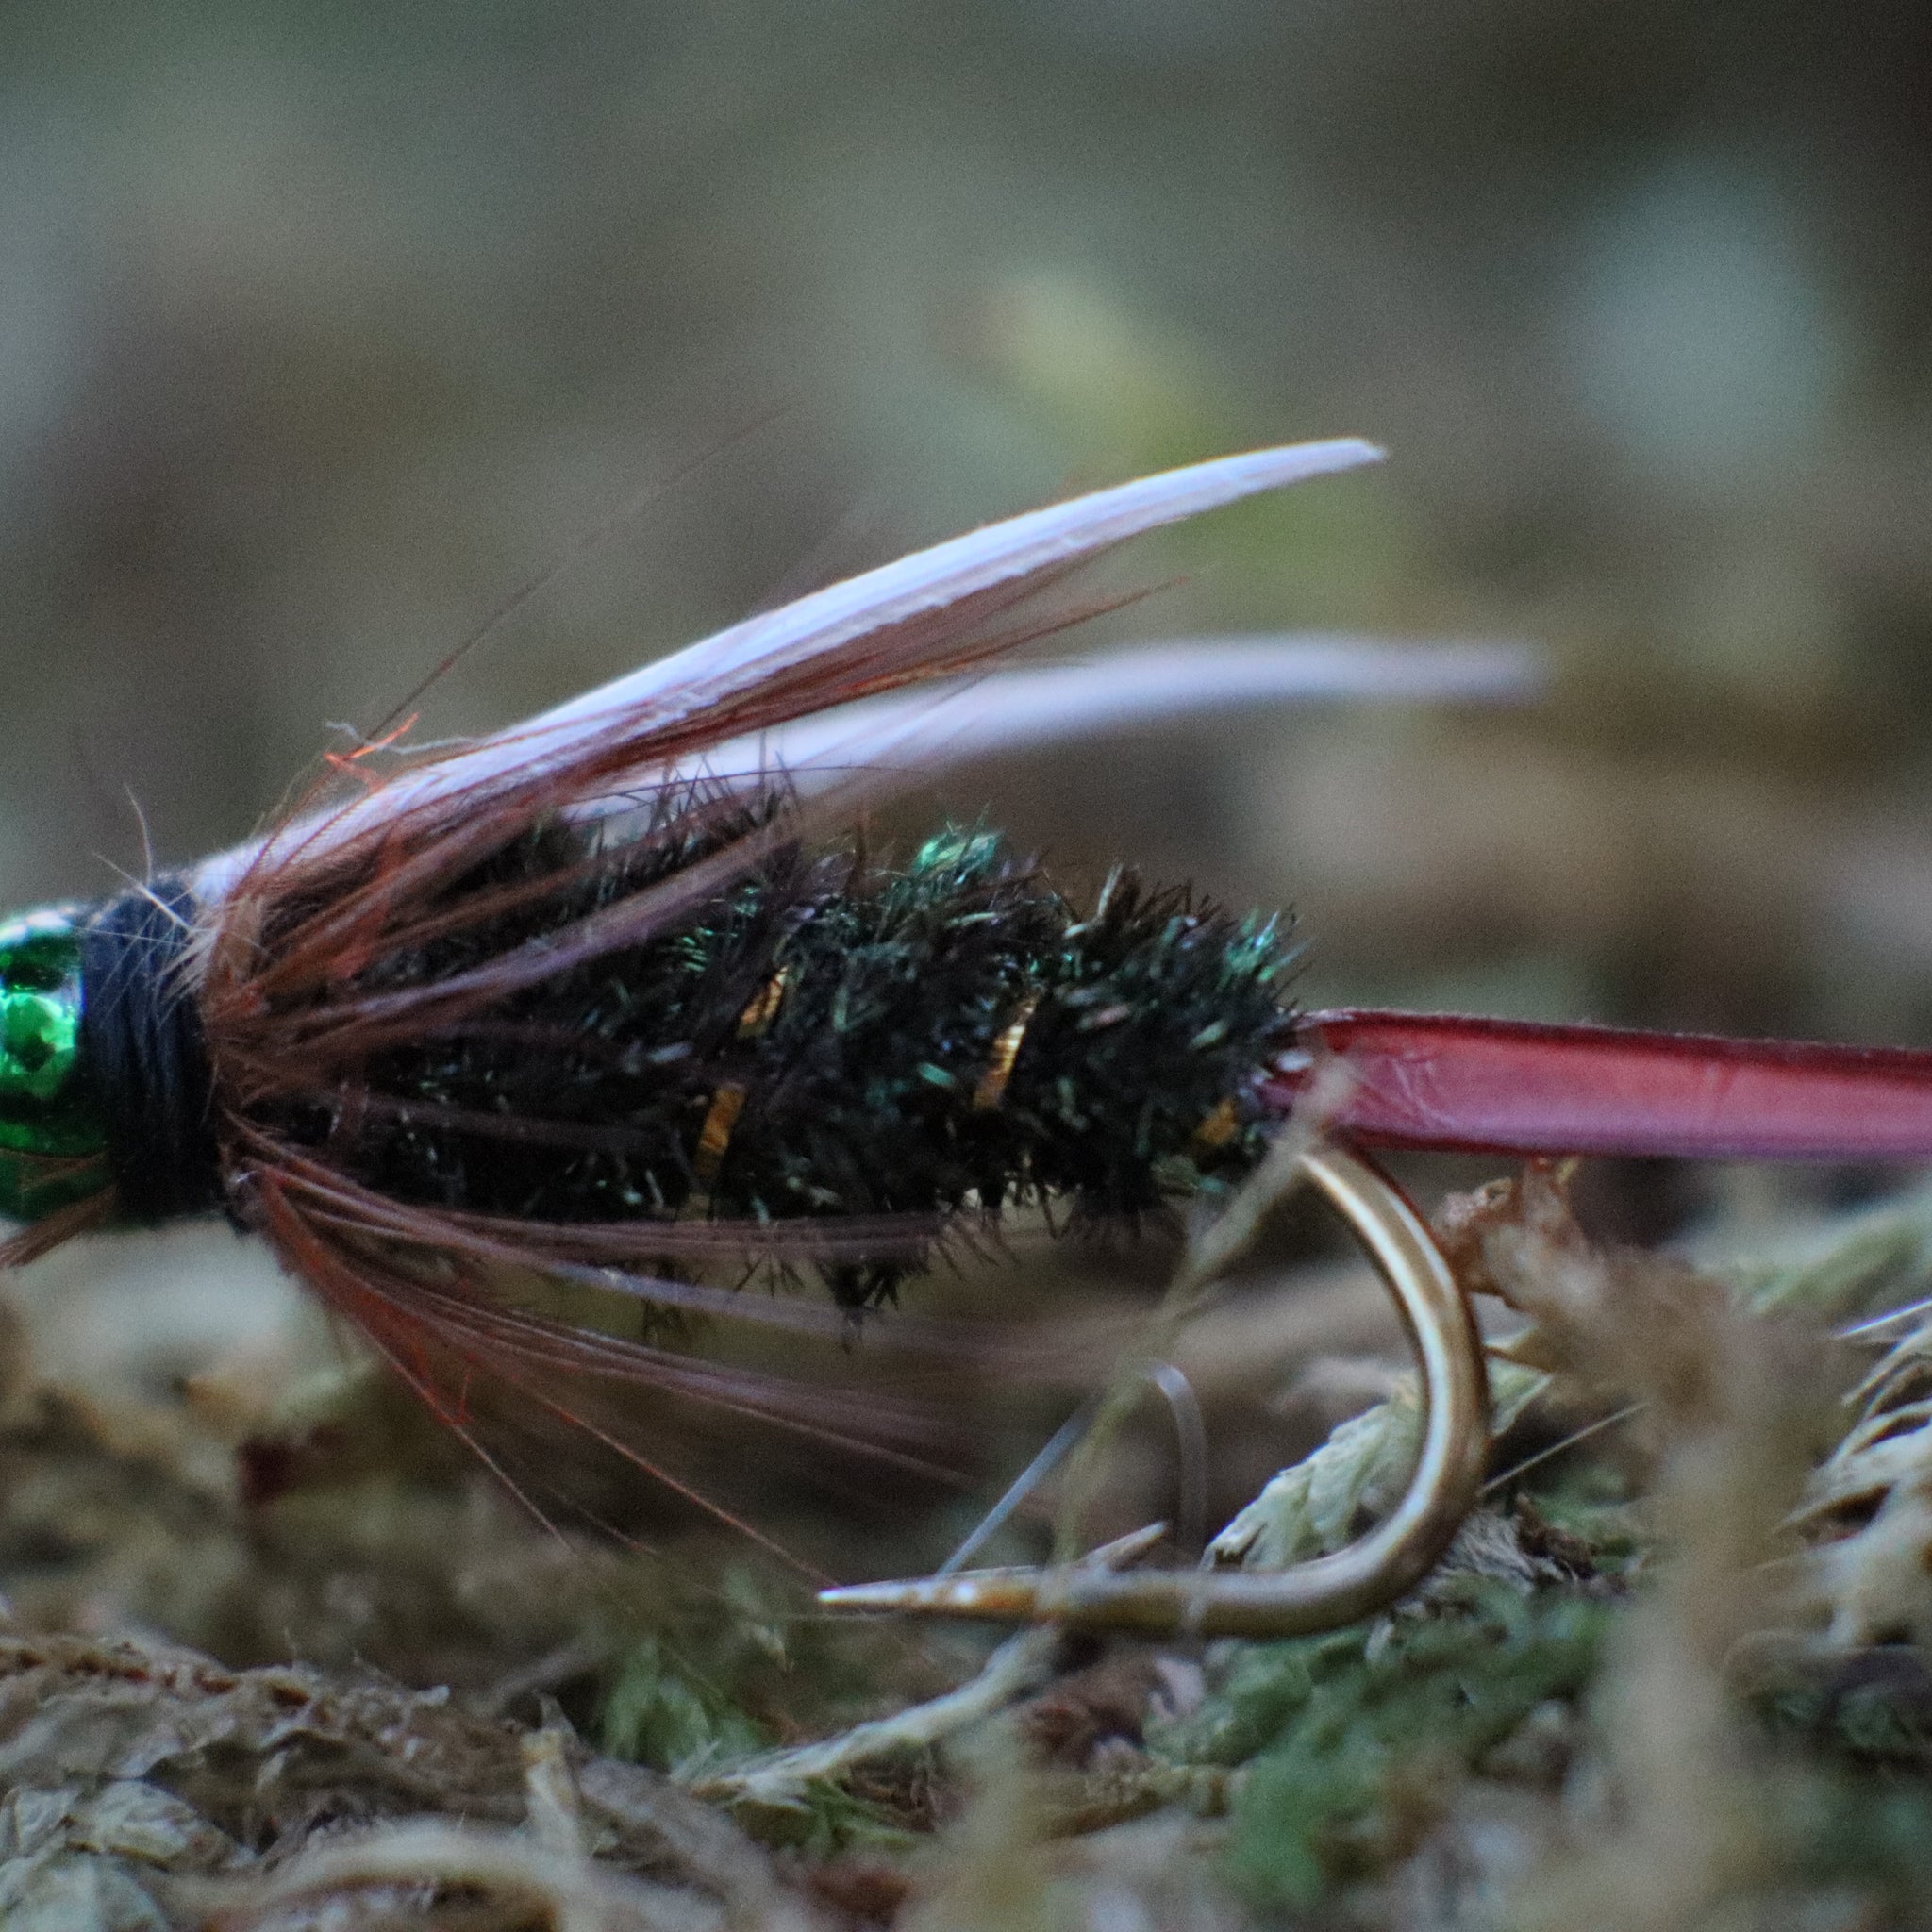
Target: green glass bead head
<point x="46" y="1113"/>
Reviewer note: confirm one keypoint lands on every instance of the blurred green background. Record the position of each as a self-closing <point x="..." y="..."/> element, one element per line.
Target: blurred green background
<point x="323" y="328"/>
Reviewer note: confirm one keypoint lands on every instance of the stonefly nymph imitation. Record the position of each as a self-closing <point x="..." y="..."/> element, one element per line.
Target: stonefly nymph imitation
<point x="613" y="995"/>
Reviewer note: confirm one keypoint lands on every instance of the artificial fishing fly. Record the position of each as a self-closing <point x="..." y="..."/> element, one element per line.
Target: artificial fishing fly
<point x="606" y="997"/>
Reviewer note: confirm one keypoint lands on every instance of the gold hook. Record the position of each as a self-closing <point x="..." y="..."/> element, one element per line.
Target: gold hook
<point x="1327" y="1591"/>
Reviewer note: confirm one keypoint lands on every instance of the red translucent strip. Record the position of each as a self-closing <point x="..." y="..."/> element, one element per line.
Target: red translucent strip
<point x="1447" y="1081"/>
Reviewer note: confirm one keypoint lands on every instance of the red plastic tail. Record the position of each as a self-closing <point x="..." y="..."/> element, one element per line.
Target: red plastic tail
<point x="1515" y="1087"/>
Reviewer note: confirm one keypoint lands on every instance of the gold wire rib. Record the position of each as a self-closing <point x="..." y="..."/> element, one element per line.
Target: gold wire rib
<point x="714" y="1137"/>
<point x="1327" y="1591"/>
<point x="763" y="1008"/>
<point x="728" y="1102"/>
<point x="1005" y="1050"/>
<point x="1219" y="1128"/>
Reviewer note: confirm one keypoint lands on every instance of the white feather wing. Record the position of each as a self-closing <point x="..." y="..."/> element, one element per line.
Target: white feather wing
<point x="736" y="663"/>
<point x="1024" y="708"/>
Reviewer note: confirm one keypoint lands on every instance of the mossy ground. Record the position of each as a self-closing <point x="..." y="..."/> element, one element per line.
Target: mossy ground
<point x="1630" y="1697"/>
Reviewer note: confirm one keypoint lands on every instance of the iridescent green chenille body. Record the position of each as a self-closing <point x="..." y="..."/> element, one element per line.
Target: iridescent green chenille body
<point x="50" y="1131"/>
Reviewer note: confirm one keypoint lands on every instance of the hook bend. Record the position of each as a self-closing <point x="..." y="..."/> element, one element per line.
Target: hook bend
<point x="1326" y="1591"/>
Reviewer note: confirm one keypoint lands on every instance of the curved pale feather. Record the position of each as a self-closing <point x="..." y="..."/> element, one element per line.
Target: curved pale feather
<point x="1038" y="540"/>
<point x="956" y="720"/>
<point x="1023" y="709"/>
<point x="733" y="662"/>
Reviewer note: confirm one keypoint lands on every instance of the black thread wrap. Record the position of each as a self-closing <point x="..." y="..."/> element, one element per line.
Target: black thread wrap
<point x="143" y="1047"/>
